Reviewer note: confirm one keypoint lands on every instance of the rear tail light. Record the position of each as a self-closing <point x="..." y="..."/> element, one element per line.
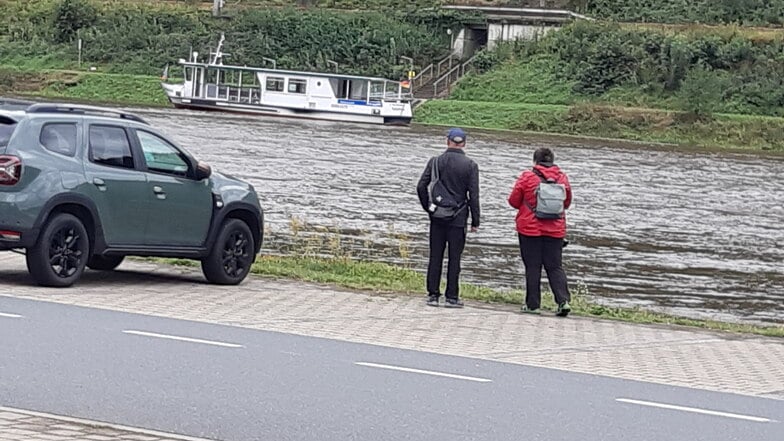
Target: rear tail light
<point x="10" y="170"/>
<point x="10" y="235"/>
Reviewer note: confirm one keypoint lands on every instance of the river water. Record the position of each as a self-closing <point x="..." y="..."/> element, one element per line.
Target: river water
<point x="693" y="233"/>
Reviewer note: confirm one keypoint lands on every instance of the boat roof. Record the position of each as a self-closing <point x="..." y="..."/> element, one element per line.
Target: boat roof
<point x="285" y="72"/>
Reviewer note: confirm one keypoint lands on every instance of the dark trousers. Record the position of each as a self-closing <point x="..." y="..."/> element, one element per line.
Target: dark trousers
<point x="547" y="252"/>
<point x="440" y="235"/>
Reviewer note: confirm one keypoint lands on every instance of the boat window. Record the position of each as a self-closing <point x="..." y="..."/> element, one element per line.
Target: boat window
<point x="297" y="86"/>
<point x="212" y="77"/>
<point x="275" y="84"/>
<point x="339" y="87"/>
<point x="188" y="74"/>
<point x="359" y="90"/>
<point x="376" y="90"/>
<point x="391" y="89"/>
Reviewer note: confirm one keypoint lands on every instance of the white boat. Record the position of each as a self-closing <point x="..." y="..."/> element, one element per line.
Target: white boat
<point x="274" y="92"/>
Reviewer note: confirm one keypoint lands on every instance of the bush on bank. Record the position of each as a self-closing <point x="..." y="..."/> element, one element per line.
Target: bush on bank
<point x="140" y="38"/>
<point x="743" y="12"/>
<point x="726" y="71"/>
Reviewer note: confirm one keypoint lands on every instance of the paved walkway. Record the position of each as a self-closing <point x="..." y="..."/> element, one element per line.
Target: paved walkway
<point x="19" y="425"/>
<point x="732" y="363"/>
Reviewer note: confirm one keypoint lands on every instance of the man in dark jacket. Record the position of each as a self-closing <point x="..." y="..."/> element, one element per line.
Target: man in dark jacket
<point x="458" y="190"/>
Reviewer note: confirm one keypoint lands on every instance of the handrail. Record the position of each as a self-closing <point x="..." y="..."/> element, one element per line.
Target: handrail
<point x="441" y="63"/>
<point x="460" y="69"/>
<point x="469" y="61"/>
<point x="446" y="76"/>
<point x="421" y="75"/>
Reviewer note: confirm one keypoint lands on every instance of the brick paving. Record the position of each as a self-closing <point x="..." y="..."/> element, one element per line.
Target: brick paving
<point x="17" y="425"/>
<point x="741" y="364"/>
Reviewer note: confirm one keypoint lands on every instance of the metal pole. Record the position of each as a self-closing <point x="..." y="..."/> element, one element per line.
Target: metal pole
<point x="79" y="44"/>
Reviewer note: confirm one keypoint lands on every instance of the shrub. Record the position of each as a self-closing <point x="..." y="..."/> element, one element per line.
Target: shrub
<point x="702" y="91"/>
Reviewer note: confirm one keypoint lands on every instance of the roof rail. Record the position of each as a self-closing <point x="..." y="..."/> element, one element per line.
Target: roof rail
<point x="83" y="110"/>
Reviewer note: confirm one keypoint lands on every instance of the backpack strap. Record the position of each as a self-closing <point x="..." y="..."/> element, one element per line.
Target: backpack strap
<point x="434" y="177"/>
<point x="541" y="175"/>
<point x="542" y="178"/>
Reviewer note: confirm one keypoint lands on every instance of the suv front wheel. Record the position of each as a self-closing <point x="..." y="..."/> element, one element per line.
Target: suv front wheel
<point x="59" y="257"/>
<point x="231" y="256"/>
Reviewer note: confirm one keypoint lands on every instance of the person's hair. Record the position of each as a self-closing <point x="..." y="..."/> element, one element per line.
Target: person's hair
<point x="544" y="156"/>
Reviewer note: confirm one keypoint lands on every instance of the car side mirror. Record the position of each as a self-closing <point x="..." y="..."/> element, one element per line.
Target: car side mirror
<point x="203" y="171"/>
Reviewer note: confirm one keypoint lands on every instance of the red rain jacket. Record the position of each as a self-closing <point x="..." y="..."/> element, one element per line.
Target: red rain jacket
<point x="524" y="190"/>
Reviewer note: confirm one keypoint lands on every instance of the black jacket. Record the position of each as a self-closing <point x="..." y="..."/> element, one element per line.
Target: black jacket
<point x="460" y="175"/>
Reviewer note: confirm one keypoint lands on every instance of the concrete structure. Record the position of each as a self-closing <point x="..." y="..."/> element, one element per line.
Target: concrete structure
<point x="507" y="24"/>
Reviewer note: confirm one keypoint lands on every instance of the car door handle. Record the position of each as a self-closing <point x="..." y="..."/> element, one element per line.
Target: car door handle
<point x="159" y="192"/>
<point x="98" y="182"/>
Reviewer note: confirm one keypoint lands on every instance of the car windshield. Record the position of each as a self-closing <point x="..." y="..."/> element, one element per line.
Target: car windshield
<point x="7" y="127"/>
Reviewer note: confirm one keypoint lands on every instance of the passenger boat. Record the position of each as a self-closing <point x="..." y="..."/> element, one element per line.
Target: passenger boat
<point x="274" y="92"/>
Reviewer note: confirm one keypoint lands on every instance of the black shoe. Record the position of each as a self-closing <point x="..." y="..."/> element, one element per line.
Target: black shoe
<point x="453" y="303"/>
<point x="432" y="300"/>
<point x="564" y="309"/>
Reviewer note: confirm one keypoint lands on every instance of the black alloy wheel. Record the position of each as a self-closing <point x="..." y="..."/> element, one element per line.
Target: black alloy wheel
<point x="230" y="260"/>
<point x="59" y="257"/>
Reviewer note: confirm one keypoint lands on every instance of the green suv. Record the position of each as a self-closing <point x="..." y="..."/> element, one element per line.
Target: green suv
<point x="86" y="186"/>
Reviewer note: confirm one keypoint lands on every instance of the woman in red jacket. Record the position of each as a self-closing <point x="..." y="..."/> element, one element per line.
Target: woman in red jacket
<point x="541" y="234"/>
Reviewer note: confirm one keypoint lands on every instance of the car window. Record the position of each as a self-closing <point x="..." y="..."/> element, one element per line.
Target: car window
<point x="7" y="127"/>
<point x="109" y="146"/>
<point x="161" y="156"/>
<point x="59" y="138"/>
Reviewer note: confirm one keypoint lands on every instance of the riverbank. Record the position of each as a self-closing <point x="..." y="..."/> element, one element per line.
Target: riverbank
<point x="390" y="279"/>
<point x="726" y="131"/>
<point x="91" y="87"/>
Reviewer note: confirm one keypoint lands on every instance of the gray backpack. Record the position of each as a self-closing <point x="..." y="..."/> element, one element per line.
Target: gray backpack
<point x="550" y="198"/>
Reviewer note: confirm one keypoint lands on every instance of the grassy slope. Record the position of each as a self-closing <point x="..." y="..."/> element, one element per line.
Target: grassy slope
<point x="83" y="86"/>
<point x="527" y="95"/>
<point x="639" y="124"/>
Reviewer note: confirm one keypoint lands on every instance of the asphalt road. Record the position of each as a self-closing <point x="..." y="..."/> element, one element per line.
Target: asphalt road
<point x="239" y="384"/>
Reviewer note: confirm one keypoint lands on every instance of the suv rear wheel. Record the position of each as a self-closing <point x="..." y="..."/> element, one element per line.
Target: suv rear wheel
<point x="232" y="255"/>
<point x="59" y="257"/>
<point x="104" y="263"/>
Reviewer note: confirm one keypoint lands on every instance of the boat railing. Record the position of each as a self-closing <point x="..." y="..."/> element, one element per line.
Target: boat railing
<point x="247" y="95"/>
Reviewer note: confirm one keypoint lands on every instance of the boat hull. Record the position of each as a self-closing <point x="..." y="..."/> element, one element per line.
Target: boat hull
<point x="283" y="112"/>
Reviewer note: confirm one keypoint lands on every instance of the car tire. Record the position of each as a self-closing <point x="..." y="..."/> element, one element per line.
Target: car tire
<point x="60" y="255"/>
<point x="104" y="263"/>
<point x="232" y="254"/>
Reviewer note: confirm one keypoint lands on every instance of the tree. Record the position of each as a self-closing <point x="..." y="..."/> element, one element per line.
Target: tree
<point x="702" y="90"/>
<point x="70" y="16"/>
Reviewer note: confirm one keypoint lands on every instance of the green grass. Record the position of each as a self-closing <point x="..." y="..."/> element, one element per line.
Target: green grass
<point x="383" y="278"/>
<point x="743" y="132"/>
<point x="530" y="81"/>
<point x="114" y="88"/>
<point x="82" y="86"/>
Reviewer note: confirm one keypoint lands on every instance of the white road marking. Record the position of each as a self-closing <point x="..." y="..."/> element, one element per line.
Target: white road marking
<point x="187" y="339"/>
<point x="8" y="315"/>
<point x="695" y="410"/>
<point x="101" y="424"/>
<point x="419" y="371"/>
